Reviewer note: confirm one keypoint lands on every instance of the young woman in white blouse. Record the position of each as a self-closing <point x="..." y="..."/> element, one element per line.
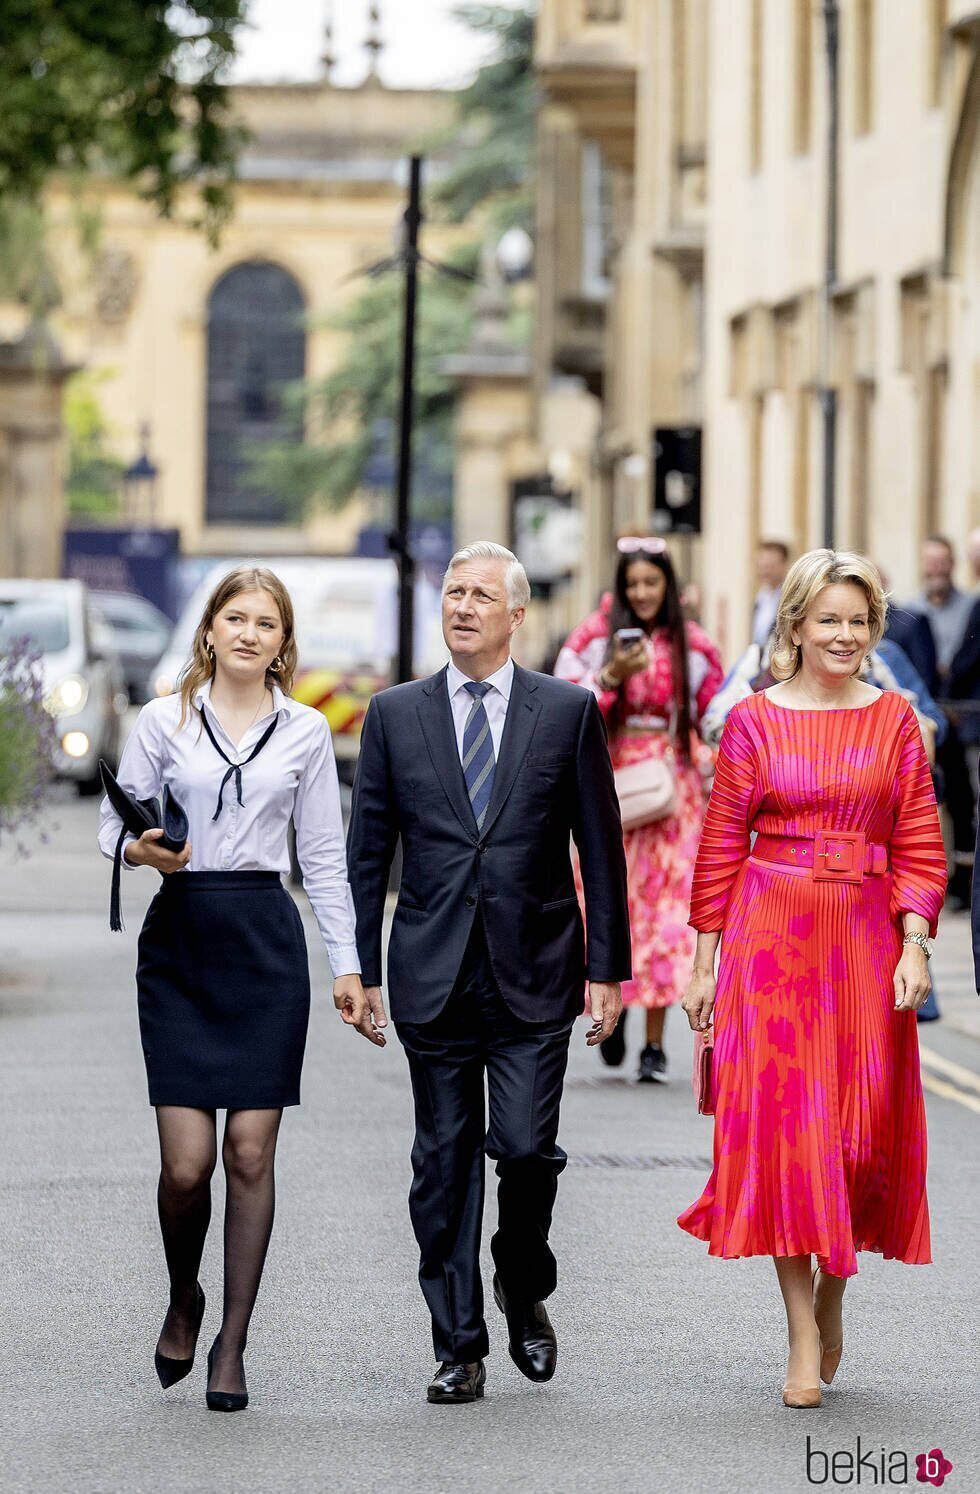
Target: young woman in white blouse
<point x="222" y="974"/>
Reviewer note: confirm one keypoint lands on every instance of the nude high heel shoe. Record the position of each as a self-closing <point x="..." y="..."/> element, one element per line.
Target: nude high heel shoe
<point x="801" y="1397"/>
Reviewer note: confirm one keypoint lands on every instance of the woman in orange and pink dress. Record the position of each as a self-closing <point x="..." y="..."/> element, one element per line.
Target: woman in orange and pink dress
<point x="653" y="674"/>
<point x="825" y="924"/>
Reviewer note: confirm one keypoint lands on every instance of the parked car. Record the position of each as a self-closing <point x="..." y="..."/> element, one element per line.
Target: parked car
<point x="83" y="679"/>
<point x="140" y="633"/>
<point x="346" y="625"/>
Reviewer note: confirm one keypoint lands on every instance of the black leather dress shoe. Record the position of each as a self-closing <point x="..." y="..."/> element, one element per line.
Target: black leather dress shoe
<point x="455" y="1384"/>
<point x="533" y="1345"/>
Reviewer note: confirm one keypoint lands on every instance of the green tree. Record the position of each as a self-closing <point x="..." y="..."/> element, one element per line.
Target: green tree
<point x="129" y="87"/>
<point x="94" y="475"/>
<point x="351" y="412"/>
<point x="488" y="187"/>
<point x="492" y="174"/>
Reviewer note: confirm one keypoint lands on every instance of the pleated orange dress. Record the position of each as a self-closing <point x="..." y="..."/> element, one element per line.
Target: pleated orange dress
<point x="820" y="1133"/>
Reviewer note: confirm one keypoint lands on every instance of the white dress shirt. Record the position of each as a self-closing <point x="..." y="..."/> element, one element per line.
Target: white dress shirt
<point x="495" y="701"/>
<point x="294" y="774"/>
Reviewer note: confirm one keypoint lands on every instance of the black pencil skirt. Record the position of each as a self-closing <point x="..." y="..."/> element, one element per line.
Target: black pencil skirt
<point x="224" y="992"/>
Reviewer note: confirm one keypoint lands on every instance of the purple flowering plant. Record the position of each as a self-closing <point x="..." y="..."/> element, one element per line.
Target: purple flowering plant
<point x="27" y="738"/>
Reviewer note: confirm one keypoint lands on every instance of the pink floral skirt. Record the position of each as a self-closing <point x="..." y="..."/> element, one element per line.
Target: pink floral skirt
<point x="660" y="865"/>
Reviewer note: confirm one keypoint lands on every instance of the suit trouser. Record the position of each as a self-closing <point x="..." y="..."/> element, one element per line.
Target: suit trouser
<point x="476" y="1033"/>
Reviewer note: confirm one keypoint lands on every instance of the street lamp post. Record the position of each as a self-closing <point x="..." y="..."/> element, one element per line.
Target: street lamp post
<point x="140" y="482"/>
<point x="400" y="536"/>
<point x="408" y="259"/>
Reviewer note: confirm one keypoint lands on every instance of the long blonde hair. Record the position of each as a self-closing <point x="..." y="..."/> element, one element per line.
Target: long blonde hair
<point x="808" y="576"/>
<point x="200" y="667"/>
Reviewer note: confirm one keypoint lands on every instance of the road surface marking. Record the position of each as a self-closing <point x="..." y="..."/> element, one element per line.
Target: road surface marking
<point x="966" y="1078"/>
<point x="948" y="1092"/>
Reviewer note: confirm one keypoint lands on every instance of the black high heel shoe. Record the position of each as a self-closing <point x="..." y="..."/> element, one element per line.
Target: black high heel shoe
<point x="224" y="1400"/>
<point x="169" y="1371"/>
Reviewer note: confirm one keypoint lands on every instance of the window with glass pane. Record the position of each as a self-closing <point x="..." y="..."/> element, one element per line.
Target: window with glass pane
<point x="256" y="347"/>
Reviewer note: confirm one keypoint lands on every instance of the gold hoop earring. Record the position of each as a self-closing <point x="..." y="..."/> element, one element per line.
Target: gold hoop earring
<point x="276" y="666"/>
<point x="209" y="650"/>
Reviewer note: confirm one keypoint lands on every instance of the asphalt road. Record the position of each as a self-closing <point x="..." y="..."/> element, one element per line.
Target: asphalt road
<point x="670" y="1363"/>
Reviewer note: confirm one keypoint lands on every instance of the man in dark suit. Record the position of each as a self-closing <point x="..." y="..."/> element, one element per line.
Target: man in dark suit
<point x="484" y="771"/>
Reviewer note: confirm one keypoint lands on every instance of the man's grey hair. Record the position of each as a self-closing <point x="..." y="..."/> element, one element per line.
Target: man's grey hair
<point x="515" y="576"/>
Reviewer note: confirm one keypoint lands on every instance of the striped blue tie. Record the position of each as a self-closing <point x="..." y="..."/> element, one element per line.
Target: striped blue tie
<point x="478" y="759"/>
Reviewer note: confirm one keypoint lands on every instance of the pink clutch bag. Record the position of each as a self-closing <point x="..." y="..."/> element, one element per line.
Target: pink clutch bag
<point x="704" y="1043"/>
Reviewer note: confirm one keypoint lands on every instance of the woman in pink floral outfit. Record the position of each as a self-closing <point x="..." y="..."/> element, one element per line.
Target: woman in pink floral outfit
<point x="652" y="691"/>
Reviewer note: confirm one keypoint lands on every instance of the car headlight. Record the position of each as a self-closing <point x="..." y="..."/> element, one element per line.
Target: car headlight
<point x="75" y="744"/>
<point x="68" y="696"/>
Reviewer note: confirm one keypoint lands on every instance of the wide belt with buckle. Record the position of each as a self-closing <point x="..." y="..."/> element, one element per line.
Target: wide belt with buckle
<point x="830" y="856"/>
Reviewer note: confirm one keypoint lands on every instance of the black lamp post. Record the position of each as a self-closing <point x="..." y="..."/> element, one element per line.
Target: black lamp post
<point x="399" y="538"/>
<point x="140" y="482"/>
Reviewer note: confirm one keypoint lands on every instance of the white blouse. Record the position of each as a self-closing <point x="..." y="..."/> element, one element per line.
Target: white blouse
<point x="294" y="774"/>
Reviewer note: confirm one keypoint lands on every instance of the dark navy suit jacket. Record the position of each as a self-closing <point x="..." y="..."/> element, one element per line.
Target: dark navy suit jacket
<point x="553" y="781"/>
<point x="912" y="631"/>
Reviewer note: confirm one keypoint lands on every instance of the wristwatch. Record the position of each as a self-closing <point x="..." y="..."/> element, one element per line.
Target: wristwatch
<point x="922" y="940"/>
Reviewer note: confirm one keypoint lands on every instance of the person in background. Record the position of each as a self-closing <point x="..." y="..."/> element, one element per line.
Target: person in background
<point x="964" y="672"/>
<point x="948" y="610"/>
<point x="653" y="675"/>
<point x="963" y="685"/>
<point x="771" y="565"/>
<point x="910" y="628"/>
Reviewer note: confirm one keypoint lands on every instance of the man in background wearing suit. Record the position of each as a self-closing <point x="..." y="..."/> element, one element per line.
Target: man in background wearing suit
<point x="484" y="771"/>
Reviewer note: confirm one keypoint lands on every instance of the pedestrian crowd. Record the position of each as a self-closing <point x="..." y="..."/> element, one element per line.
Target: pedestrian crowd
<point x="635" y="829"/>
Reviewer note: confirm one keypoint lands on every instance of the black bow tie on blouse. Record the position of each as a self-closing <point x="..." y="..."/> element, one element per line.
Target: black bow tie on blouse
<point x="235" y="769"/>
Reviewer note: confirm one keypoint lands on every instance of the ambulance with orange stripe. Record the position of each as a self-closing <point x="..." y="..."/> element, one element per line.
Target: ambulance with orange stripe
<point x="346" y="614"/>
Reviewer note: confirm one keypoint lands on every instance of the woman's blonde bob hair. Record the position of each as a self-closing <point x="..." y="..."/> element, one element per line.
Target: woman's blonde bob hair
<point x="806" y="578"/>
<point x="200" y="667"/>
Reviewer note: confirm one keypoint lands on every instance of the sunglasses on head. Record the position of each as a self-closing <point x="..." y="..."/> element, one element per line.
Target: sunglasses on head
<point x="637" y="544"/>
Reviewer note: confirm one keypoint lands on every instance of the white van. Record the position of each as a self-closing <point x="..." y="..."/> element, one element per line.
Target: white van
<point x="346" y="612"/>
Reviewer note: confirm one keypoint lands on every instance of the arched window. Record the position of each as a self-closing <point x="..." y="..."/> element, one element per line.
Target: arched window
<point x="256" y="345"/>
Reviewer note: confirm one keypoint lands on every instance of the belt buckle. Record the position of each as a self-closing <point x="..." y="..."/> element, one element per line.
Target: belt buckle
<point x="838" y="856"/>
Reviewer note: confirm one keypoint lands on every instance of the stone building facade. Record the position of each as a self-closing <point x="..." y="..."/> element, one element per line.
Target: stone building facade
<point x="710" y="118"/>
<point x="191" y="341"/>
<point x="621" y="238"/>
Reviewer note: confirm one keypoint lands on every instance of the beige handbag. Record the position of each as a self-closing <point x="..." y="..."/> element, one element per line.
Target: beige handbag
<point x="647" y="791"/>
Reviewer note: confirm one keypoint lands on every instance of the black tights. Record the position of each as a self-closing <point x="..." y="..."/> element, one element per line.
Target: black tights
<point x="188" y="1153"/>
